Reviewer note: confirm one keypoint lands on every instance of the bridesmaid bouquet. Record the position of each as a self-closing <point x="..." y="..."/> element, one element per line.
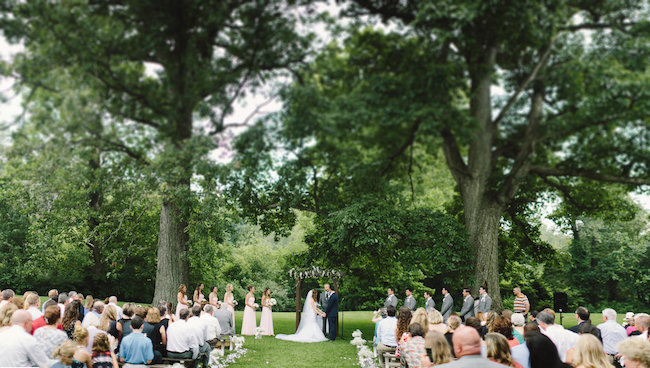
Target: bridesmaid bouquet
<point x="234" y="303"/>
<point x="256" y="305"/>
<point x="272" y="302"/>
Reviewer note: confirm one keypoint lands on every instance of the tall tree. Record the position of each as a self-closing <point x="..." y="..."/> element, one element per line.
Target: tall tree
<point x="572" y="114"/>
<point x="204" y="54"/>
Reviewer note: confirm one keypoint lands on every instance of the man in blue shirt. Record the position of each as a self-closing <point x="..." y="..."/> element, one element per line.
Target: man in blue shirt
<point x="136" y="348"/>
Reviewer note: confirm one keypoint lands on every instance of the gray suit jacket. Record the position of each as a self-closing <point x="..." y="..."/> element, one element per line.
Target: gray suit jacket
<point x="468" y="308"/>
<point x="323" y="300"/>
<point x="391" y="300"/>
<point x="471" y="361"/>
<point x="484" y="304"/>
<point x="447" y="306"/>
<point x="430" y="305"/>
<point x="224" y="317"/>
<point x="410" y="302"/>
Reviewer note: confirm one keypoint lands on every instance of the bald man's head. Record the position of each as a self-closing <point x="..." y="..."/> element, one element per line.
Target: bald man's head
<point x="22" y="318"/>
<point x="466" y="341"/>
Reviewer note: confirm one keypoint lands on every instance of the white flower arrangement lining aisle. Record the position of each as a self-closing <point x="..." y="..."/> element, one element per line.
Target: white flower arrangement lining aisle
<point x="364" y="353"/>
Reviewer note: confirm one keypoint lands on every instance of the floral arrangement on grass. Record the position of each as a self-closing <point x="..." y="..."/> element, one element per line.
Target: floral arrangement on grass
<point x="258" y="332"/>
<point x="217" y="359"/>
<point x="364" y="353"/>
<point x="238" y="341"/>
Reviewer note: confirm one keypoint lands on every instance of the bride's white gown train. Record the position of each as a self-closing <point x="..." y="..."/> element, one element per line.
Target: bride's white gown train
<point x="308" y="329"/>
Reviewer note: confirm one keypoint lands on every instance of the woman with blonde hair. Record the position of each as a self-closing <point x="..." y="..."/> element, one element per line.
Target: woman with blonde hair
<point x="438" y="348"/>
<point x="65" y="354"/>
<point x="229" y="302"/>
<point x="103" y="356"/>
<point x="589" y="353"/>
<point x="498" y="349"/>
<point x="420" y="316"/>
<point x="6" y="312"/>
<point x="436" y="322"/>
<point x="88" y="304"/>
<point x="108" y="321"/>
<point x="81" y="357"/>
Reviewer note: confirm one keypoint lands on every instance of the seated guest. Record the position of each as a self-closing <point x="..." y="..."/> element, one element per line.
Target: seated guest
<point x="124" y="323"/>
<point x="224" y="317"/>
<point x="582" y="316"/>
<point x="112" y="300"/>
<point x="436" y="322"/>
<point x="520" y="353"/>
<point x="6" y="311"/>
<point x="136" y="348"/>
<point x="563" y="339"/>
<point x="7" y="297"/>
<point x="53" y="296"/>
<point x="635" y="352"/>
<point x="32" y="304"/>
<point x="453" y="322"/>
<point x="81" y="355"/>
<point x="102" y="355"/>
<point x="386" y="333"/>
<point x="49" y="336"/>
<point x="181" y="343"/>
<point x="65" y="354"/>
<point x="156" y="334"/>
<point x="404" y="316"/>
<point x="71" y="318"/>
<point x="108" y="323"/>
<point x="476" y="324"/>
<point x="611" y="332"/>
<point x="18" y="348"/>
<point x="467" y="347"/>
<point x="413" y="347"/>
<point x="642" y="323"/>
<point x="437" y="348"/>
<point x="213" y="327"/>
<point x="588" y="353"/>
<point x="504" y="327"/>
<point x="498" y="350"/>
<point x="518" y="321"/>
<point x="196" y="327"/>
<point x="543" y="353"/>
<point x="88" y="305"/>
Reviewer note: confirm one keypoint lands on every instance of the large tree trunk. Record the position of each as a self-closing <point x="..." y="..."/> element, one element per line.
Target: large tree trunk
<point x="173" y="265"/>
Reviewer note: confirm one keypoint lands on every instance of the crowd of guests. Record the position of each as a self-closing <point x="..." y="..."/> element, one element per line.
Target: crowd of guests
<point x="69" y="330"/>
<point x="478" y="337"/>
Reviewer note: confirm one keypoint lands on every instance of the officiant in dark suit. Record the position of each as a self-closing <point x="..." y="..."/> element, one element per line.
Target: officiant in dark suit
<point x="324" y="301"/>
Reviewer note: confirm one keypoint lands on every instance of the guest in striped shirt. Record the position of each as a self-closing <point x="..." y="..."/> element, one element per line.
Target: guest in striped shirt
<point x="521" y="304"/>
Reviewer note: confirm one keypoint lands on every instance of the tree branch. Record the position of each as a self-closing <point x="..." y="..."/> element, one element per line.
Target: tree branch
<point x="455" y="161"/>
<point x="579" y="27"/>
<point x="588" y="174"/>
<point x="400" y="150"/>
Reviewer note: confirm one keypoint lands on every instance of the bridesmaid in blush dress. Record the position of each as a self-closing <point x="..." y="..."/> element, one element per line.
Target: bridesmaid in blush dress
<point x="213" y="298"/>
<point x="266" y="322"/>
<point x="249" y="324"/>
<point x="229" y="303"/>
<point x="181" y="297"/>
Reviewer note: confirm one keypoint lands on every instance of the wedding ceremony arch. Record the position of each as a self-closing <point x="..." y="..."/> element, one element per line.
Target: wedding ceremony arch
<point x="300" y="275"/>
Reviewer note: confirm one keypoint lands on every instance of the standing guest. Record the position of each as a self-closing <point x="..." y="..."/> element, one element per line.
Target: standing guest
<point x="53" y="296"/>
<point x="386" y="342"/>
<point x="213" y="298"/>
<point x="543" y="353"/>
<point x="65" y="354"/>
<point x="213" y="328"/>
<point x="112" y="300"/>
<point x="33" y="304"/>
<point x="181" y="342"/>
<point x="249" y="323"/>
<point x="71" y="318"/>
<point x="93" y="316"/>
<point x="198" y="296"/>
<point x="521" y="304"/>
<point x="563" y="339"/>
<point x="518" y="321"/>
<point x="467" y="347"/>
<point x="82" y="358"/>
<point x="582" y="316"/>
<point x="413" y="348"/>
<point x="409" y="301"/>
<point x="136" y="348"/>
<point x="504" y="327"/>
<point x="18" y="348"/>
<point x="102" y="354"/>
<point x="635" y="352"/>
<point x="589" y="353"/>
<point x="88" y="305"/>
<point x="266" y="321"/>
<point x="484" y="301"/>
<point x="468" y="305"/>
<point x="49" y="336"/>
<point x="108" y="322"/>
<point x="447" y="304"/>
<point x="181" y="299"/>
<point x="436" y="322"/>
<point x="7" y="297"/>
<point x="438" y="348"/>
<point x="611" y="332"/>
<point x="391" y="299"/>
<point x="429" y="303"/>
<point x="225" y="320"/>
<point x="229" y="303"/>
<point x="157" y="335"/>
<point x="498" y="350"/>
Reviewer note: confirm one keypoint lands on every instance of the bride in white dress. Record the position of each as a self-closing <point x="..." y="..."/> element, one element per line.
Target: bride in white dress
<point x="308" y="329"/>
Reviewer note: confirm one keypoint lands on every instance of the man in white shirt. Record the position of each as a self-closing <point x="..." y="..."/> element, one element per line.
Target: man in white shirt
<point x="611" y="332"/>
<point x="198" y="328"/>
<point x="563" y="339"/>
<point x="92" y="318"/>
<point x="34" y="303"/>
<point x="113" y="301"/>
<point x="212" y="324"/>
<point x="386" y="342"/>
<point x="181" y="343"/>
<point x="20" y="349"/>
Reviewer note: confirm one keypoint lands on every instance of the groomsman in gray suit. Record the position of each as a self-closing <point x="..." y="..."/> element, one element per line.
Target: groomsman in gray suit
<point x="447" y="304"/>
<point x="468" y="305"/>
<point x="484" y="301"/>
<point x="429" y="305"/>
<point x="324" y="300"/>
<point x="391" y="299"/>
<point x="410" y="300"/>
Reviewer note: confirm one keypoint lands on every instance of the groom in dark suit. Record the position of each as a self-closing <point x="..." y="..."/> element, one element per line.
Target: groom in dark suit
<point x="332" y="313"/>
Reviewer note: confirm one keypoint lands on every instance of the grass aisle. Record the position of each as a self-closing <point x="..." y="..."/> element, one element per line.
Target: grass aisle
<point x="271" y="352"/>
